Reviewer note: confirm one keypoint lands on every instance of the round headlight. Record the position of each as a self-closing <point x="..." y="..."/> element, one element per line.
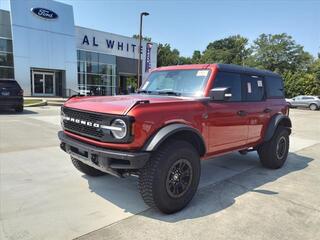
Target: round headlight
<point x="119" y="128"/>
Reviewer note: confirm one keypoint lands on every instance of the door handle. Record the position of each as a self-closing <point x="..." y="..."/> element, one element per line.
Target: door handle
<point x="242" y="113"/>
<point x="267" y="110"/>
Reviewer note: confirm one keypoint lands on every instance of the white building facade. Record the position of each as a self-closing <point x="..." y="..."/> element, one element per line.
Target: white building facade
<point x="48" y="55"/>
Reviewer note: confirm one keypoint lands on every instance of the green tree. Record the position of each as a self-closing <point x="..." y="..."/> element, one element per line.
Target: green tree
<point x="148" y="39"/>
<point x="301" y="83"/>
<point x="196" y="57"/>
<point x="232" y="49"/>
<point x="166" y="56"/>
<point x="279" y="53"/>
<point x="315" y="68"/>
<point x="185" y="60"/>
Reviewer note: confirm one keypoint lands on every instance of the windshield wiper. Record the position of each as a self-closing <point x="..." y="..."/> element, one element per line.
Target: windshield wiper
<point x="160" y="92"/>
<point x="145" y="91"/>
<point x="169" y="93"/>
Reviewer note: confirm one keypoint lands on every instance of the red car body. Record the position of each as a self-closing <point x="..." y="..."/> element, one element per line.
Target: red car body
<point x="181" y="114"/>
<point x="222" y="129"/>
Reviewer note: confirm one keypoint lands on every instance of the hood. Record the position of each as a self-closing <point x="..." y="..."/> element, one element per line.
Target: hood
<point x="117" y="105"/>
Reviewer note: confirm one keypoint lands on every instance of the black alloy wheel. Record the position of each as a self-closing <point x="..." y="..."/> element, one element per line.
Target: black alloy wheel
<point x="179" y="178"/>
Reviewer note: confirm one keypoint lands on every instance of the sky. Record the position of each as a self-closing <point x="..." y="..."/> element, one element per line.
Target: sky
<point x="191" y="25"/>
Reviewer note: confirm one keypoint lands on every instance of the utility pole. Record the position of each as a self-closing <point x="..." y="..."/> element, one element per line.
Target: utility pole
<point x="139" y="49"/>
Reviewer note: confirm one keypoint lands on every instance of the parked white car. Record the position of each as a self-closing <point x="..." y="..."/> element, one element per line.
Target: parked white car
<point x="311" y="102"/>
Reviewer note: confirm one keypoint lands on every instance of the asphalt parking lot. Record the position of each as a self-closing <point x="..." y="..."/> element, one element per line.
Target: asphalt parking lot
<point x="44" y="197"/>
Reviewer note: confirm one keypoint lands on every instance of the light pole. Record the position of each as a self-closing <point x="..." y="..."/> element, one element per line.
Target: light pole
<point x="139" y="49"/>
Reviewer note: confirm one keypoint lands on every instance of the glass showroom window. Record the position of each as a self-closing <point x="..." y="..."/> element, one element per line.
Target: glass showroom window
<point x="6" y="59"/>
<point x="5" y="45"/>
<point x="96" y="73"/>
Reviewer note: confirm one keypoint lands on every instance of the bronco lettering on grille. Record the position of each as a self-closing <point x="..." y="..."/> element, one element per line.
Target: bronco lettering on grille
<point x="90" y="124"/>
<point x="80" y="121"/>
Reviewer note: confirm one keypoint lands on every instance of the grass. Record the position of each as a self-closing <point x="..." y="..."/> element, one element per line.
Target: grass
<point x="31" y="101"/>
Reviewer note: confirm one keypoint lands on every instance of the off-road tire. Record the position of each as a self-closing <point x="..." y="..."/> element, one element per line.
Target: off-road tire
<point x="86" y="169"/>
<point x="19" y="109"/>
<point x="269" y="152"/>
<point x="153" y="178"/>
<point x="313" y="107"/>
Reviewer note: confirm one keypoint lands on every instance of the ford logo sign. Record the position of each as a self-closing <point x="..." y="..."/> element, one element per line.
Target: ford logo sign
<point x="44" y="13"/>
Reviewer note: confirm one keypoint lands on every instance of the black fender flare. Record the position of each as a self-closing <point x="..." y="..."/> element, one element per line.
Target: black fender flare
<point x="169" y="130"/>
<point x="276" y="120"/>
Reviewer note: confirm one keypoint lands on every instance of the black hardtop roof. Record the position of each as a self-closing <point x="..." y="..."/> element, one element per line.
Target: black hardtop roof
<point x="246" y="70"/>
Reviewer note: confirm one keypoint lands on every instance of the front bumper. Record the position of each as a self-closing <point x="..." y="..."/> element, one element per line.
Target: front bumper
<point x="106" y="160"/>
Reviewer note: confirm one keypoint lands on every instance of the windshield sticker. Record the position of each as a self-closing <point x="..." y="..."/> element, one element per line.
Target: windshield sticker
<point x="202" y="73"/>
<point x="145" y="85"/>
<point x="259" y="82"/>
<point x="249" y="87"/>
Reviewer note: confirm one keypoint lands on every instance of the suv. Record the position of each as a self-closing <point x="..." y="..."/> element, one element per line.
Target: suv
<point x="311" y="102"/>
<point x="11" y="95"/>
<point x="180" y="115"/>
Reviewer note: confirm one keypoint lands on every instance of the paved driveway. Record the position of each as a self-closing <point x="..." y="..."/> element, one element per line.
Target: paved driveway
<point x="44" y="197"/>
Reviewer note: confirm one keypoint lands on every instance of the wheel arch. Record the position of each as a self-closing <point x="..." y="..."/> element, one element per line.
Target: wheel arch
<point x="314" y="103"/>
<point x="277" y="120"/>
<point x="177" y="131"/>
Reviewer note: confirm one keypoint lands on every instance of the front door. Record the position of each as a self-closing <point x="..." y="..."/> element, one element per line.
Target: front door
<point x="43" y="84"/>
<point x="227" y="121"/>
<point x="298" y="101"/>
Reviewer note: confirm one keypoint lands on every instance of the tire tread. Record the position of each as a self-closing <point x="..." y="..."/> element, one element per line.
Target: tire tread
<point x="150" y="175"/>
<point x="267" y="150"/>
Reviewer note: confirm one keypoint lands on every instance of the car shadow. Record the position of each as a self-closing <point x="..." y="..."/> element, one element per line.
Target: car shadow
<point x="240" y="175"/>
<point x="13" y="112"/>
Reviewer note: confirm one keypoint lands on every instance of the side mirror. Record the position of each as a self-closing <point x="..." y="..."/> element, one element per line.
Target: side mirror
<point x="220" y="94"/>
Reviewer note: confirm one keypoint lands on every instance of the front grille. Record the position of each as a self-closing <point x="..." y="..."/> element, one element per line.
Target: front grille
<point x="85" y="130"/>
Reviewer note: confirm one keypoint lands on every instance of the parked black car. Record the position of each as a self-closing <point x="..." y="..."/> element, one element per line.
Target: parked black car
<point x="11" y="95"/>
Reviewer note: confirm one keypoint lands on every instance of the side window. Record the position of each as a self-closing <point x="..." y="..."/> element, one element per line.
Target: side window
<point x="253" y="87"/>
<point x="231" y="80"/>
<point x="307" y="98"/>
<point x="274" y="86"/>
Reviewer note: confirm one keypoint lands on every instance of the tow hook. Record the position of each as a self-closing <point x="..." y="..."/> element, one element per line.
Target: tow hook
<point x="94" y="159"/>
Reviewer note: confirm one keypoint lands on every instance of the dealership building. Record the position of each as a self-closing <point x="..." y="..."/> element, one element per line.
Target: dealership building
<point x="48" y="55"/>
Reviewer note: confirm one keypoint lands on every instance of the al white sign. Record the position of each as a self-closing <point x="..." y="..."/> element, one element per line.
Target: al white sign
<point x="103" y="42"/>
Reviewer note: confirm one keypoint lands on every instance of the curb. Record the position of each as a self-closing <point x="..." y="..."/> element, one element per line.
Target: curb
<point x="39" y="104"/>
<point x="49" y="103"/>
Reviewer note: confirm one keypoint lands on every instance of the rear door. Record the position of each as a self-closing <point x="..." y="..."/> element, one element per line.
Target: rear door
<point x="306" y="100"/>
<point x="256" y="107"/>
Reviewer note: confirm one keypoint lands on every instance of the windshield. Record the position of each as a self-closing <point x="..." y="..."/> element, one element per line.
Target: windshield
<point x="177" y="82"/>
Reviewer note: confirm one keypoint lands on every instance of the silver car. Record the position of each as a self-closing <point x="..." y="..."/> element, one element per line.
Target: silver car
<point x="311" y="102"/>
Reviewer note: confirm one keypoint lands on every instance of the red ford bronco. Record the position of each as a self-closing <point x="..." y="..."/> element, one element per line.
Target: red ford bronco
<point x="180" y="115"/>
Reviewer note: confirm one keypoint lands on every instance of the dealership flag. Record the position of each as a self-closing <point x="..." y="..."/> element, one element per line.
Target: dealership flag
<point x="148" y="57"/>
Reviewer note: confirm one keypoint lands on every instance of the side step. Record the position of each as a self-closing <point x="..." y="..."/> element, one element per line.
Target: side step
<point x="245" y="151"/>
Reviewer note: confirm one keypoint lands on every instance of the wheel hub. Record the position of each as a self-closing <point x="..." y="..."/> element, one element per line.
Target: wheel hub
<point x="281" y="147"/>
<point x="176" y="177"/>
<point x="179" y="178"/>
